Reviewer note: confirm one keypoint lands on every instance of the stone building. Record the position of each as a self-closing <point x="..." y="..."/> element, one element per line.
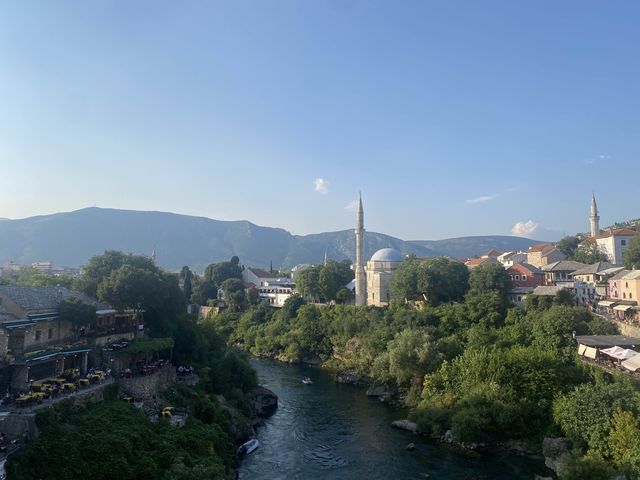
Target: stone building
<point x="380" y="271"/>
<point x="36" y="343"/>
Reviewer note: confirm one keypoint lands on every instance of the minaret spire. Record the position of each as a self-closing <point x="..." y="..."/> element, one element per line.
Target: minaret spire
<point x="594" y="218"/>
<point x="361" y="278"/>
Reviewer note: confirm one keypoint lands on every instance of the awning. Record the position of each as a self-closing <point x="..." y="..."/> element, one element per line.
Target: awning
<point x="619" y="353"/>
<point x="586" y="351"/>
<point x="605" y="303"/>
<point x="632" y="364"/>
<point x="622" y="308"/>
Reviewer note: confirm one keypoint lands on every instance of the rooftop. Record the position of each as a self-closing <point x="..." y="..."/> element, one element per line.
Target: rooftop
<point x="540" y="247"/>
<point x="563" y="266"/>
<point x="548" y="290"/>
<point x="42" y="299"/>
<point x="387" y="255"/>
<point x="593" y="268"/>
<point x="608" y="340"/>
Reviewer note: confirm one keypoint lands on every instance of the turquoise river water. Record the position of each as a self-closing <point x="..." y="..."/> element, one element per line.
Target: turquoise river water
<point x="332" y="431"/>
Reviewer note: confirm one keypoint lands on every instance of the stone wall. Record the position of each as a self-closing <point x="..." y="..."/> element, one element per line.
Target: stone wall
<point x="626" y="329"/>
<point x="147" y="387"/>
<point x="18" y="425"/>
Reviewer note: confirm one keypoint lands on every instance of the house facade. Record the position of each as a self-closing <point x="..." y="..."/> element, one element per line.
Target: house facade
<point x="544" y="254"/>
<point x="36" y="342"/>
<point x="525" y="275"/>
<point x="613" y="242"/>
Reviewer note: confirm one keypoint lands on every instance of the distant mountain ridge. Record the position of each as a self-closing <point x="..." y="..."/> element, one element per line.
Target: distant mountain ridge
<point x="71" y="238"/>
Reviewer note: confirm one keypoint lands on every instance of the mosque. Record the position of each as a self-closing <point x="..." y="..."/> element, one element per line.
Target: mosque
<point x="373" y="283"/>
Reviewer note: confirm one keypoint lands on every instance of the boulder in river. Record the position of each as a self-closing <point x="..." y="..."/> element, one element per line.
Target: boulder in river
<point x="264" y="402"/>
<point x="406" y="425"/>
<point x="410" y="447"/>
<point x="350" y="376"/>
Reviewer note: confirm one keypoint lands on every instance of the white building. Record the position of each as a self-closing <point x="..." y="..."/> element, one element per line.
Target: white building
<point x="508" y="259"/>
<point x="613" y="242"/>
<point x="273" y="290"/>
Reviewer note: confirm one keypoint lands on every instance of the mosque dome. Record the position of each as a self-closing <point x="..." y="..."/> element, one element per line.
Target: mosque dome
<point x="387" y="255"/>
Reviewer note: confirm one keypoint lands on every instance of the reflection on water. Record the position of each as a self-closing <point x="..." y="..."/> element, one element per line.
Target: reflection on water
<point x="332" y="431"/>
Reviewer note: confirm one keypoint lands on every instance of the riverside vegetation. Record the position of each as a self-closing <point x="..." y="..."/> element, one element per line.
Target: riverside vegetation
<point x="467" y="362"/>
<point x="115" y="441"/>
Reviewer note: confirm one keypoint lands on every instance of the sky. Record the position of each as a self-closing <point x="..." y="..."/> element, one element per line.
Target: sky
<point x="453" y="118"/>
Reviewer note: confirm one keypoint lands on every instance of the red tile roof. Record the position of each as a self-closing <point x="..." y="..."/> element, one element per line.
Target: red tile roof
<point x="540" y="247"/>
<point x="492" y="253"/>
<point x="260" y="273"/>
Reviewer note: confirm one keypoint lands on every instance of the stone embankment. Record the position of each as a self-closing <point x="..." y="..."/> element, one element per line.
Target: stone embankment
<point x="146" y="388"/>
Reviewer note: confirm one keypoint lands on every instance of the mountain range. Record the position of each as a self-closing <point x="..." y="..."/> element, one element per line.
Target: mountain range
<point x="71" y="238"/>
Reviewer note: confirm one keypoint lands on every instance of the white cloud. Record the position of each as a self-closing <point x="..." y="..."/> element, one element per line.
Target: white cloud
<point x="525" y="229"/>
<point x="351" y="206"/>
<point x="320" y="185"/>
<point x="483" y="199"/>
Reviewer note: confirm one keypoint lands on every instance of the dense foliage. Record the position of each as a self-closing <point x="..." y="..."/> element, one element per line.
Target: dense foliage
<point x="115" y="441"/>
<point x="128" y="281"/>
<point x="326" y="283"/>
<point x="480" y="368"/>
<point x="435" y="280"/>
<point x="631" y="258"/>
<point x="77" y="312"/>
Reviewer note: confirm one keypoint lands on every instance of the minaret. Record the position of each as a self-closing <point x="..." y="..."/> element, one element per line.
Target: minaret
<point x="361" y="277"/>
<point x="594" y="219"/>
<point x="153" y="256"/>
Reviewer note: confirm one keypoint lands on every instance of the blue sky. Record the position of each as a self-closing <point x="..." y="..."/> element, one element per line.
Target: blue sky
<point x="453" y="118"/>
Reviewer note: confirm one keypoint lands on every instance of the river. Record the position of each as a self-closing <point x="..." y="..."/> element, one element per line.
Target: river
<point x="332" y="431"/>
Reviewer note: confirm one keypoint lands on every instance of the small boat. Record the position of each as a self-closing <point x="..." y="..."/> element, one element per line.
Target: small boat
<point x="307" y="381"/>
<point x="248" y="447"/>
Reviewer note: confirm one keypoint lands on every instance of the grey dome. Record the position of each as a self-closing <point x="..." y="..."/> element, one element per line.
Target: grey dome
<point x="387" y="255"/>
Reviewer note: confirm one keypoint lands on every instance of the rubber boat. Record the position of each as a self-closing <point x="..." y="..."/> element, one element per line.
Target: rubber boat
<point x="248" y="447"/>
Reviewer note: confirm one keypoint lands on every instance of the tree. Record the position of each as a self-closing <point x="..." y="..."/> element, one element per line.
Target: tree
<point x="187" y="287"/>
<point x="253" y="296"/>
<point x="437" y="280"/>
<point x="101" y="266"/>
<point x="131" y="287"/>
<point x="203" y="290"/>
<point x="589" y="253"/>
<point x="490" y="277"/>
<point x="234" y="294"/>
<point x="586" y="415"/>
<point x="77" y="312"/>
<point x="568" y="245"/>
<point x="333" y="277"/>
<point x="631" y="258"/>
<point x="308" y="282"/>
<point x="219" y="272"/>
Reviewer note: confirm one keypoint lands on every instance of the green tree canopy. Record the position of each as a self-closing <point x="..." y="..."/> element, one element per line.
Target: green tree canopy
<point x="491" y="277"/>
<point x="589" y="253"/>
<point x="631" y="258"/>
<point x="568" y="245"/>
<point x="437" y="280"/>
<point x="76" y="311"/>
<point x="221" y="271"/>
<point x="234" y="294"/>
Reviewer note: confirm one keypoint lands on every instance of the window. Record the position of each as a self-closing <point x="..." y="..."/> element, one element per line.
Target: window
<point x="38" y="334"/>
<point x="50" y="334"/>
<point x="524" y="278"/>
<point x="517" y="277"/>
<point x="626" y="284"/>
<point x="630" y="296"/>
<point x="624" y="295"/>
<point x="623" y="242"/>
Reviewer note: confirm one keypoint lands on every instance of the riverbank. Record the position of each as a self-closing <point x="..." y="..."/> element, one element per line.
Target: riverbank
<point x="334" y="431"/>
